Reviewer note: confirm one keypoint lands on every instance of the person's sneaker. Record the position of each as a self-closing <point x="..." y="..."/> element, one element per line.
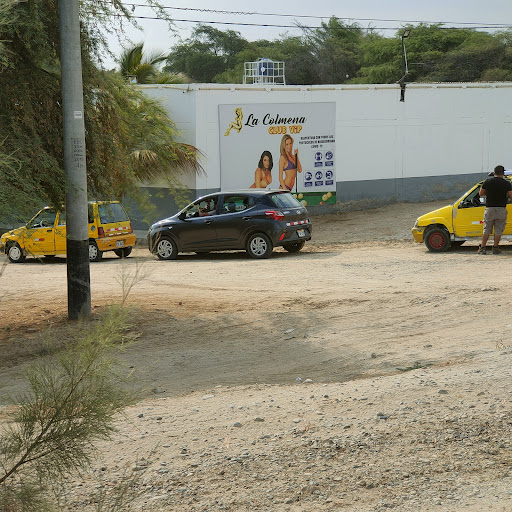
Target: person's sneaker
<point x="496" y="250"/>
<point x="482" y="250"/>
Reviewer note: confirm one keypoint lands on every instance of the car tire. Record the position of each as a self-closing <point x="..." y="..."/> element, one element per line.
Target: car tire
<point x="294" y="246"/>
<point x="94" y="253"/>
<point x="166" y="248"/>
<point x="124" y="252"/>
<point x="15" y="253"/>
<point x="259" y="246"/>
<point x="437" y="240"/>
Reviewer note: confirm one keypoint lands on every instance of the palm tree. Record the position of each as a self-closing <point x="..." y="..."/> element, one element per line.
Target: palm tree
<point x="145" y="68"/>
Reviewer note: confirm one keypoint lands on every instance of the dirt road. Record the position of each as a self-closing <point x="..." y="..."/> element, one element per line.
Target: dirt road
<point x="380" y="327"/>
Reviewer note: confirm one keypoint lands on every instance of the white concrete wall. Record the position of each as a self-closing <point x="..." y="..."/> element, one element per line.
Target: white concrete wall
<point x="440" y="132"/>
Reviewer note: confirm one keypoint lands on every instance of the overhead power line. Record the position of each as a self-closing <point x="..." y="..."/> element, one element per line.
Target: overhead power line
<point x="175" y="20"/>
<point x="248" y="13"/>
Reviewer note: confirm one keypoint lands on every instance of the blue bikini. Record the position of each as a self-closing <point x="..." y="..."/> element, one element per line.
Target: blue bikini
<point x="290" y="166"/>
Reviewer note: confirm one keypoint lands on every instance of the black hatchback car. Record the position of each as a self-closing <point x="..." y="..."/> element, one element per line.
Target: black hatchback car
<point x="253" y="220"/>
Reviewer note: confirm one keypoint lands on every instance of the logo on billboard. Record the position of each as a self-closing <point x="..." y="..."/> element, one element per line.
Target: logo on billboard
<point x="237" y="123"/>
<point x="308" y="176"/>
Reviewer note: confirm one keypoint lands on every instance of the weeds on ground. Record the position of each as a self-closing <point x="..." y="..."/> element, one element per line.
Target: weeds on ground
<point x="501" y="346"/>
<point x="416" y="366"/>
<point x="76" y="388"/>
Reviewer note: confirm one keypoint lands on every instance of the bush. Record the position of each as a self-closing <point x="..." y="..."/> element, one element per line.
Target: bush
<point x="75" y="391"/>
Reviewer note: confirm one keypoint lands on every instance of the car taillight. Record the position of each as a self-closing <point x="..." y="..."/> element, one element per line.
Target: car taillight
<point x="275" y="214"/>
<point x="101" y="233"/>
<point x="131" y="228"/>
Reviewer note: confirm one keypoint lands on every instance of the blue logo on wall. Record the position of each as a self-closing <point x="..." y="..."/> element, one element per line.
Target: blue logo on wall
<point x="328" y="155"/>
<point x="318" y="175"/>
<point x="328" y="175"/>
<point x="308" y="176"/>
<point x="318" y="156"/>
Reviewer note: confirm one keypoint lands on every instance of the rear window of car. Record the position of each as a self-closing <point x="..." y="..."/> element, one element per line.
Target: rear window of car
<point x="284" y="200"/>
<point x="111" y="212"/>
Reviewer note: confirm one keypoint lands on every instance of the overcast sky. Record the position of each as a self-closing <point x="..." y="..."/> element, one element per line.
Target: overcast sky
<point x="380" y="14"/>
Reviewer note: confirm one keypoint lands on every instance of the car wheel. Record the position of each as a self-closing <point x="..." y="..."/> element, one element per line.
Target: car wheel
<point x="15" y="253"/>
<point x="295" y="246"/>
<point x="124" y="252"/>
<point x="94" y="253"/>
<point x="166" y="249"/>
<point x="437" y="240"/>
<point x="259" y="246"/>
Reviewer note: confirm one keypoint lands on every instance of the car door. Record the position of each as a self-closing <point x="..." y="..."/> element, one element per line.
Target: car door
<point x="234" y="219"/>
<point x="40" y="235"/>
<point x="196" y="229"/>
<point x="468" y="215"/>
<point x="60" y="233"/>
<point x="508" y="227"/>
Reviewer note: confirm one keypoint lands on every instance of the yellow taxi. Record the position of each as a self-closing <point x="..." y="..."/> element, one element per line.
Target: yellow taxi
<point x="452" y="225"/>
<point x="110" y="229"/>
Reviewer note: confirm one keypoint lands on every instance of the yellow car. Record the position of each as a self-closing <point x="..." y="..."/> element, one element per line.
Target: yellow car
<point x="110" y="229"/>
<point x="452" y="225"/>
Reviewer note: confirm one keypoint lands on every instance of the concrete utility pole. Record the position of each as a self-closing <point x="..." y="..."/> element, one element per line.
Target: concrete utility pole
<point x="77" y="243"/>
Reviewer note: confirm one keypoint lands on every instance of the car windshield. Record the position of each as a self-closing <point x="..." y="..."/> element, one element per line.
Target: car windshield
<point x="284" y="200"/>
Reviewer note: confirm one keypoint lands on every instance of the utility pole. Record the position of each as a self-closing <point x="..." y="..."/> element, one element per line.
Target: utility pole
<point x="405" y="67"/>
<point x="77" y="228"/>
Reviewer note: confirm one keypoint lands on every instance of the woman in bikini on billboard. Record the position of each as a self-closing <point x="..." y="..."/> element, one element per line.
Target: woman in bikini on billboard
<point x="263" y="175"/>
<point x="289" y="163"/>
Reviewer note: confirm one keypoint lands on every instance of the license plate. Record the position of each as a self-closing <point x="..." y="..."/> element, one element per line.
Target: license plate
<point x="301" y="233"/>
<point x="120" y="243"/>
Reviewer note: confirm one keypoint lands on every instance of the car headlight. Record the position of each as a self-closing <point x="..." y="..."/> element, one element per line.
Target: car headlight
<point x="416" y="223"/>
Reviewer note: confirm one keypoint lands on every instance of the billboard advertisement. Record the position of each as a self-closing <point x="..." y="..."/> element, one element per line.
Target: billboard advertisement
<point x="289" y="146"/>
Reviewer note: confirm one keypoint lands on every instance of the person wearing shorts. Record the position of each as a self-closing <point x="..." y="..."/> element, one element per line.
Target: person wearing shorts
<point x="497" y="191"/>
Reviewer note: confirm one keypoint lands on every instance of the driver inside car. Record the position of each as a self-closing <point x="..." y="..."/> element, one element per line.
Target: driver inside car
<point x="208" y="208"/>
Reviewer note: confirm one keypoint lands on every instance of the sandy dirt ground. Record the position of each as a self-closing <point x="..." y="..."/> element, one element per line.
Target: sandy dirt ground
<point x="363" y="373"/>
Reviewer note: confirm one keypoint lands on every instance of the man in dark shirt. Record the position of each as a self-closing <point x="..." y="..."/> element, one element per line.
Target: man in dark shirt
<point x="497" y="191"/>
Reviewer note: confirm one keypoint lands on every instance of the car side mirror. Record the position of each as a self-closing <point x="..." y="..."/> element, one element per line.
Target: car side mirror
<point x="182" y="216"/>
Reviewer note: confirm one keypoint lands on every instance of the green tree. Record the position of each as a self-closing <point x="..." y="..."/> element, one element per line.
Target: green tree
<point x="134" y="62"/>
<point x="336" y="50"/>
<point x="128" y="137"/>
<point x="146" y="67"/>
<point x="298" y="58"/>
<point x="141" y="145"/>
<point x="207" y="53"/>
<point x="381" y="60"/>
<point x="469" y="61"/>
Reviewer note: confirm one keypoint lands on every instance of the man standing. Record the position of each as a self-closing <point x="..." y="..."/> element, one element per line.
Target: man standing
<point x="496" y="190"/>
